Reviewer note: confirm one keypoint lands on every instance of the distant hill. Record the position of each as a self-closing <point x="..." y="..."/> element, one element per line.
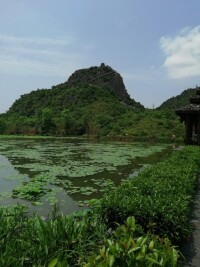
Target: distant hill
<point x="179" y="101"/>
<point x="102" y="76"/>
<point x="82" y="88"/>
<point x="91" y="102"/>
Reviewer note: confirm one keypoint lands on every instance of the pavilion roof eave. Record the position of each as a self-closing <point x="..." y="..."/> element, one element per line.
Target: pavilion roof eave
<point x="192" y="108"/>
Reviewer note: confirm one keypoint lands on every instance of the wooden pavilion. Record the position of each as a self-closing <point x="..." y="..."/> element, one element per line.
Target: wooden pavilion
<point x="191" y="117"/>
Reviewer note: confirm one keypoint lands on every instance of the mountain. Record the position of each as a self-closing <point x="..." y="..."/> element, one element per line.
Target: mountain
<point x="82" y="88"/>
<point x="91" y="101"/>
<point x="102" y="76"/>
<point x="180" y="100"/>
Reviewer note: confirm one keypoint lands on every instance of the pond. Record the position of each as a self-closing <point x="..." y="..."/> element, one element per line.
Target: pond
<point x="70" y="172"/>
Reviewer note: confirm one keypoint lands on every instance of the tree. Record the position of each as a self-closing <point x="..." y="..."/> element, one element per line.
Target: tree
<point x="2" y="126"/>
<point x="67" y="121"/>
<point x="46" y="122"/>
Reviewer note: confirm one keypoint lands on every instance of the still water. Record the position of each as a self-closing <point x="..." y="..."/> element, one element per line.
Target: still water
<point x="70" y="172"/>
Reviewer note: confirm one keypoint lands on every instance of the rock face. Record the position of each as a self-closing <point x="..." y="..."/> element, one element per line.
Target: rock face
<point x="103" y="76"/>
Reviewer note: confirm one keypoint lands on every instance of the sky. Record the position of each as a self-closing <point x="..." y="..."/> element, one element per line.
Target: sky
<point x="153" y="44"/>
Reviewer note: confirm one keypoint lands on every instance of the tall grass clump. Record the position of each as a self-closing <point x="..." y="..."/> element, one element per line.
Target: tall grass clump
<point x="33" y="241"/>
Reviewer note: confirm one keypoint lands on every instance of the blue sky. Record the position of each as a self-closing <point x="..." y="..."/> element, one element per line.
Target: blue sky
<point x="153" y="44"/>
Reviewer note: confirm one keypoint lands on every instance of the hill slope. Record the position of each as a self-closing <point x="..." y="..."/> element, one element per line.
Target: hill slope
<point x="179" y="101"/>
<point x="94" y="102"/>
<point x="82" y="88"/>
<point x="102" y="76"/>
<point x="88" y="103"/>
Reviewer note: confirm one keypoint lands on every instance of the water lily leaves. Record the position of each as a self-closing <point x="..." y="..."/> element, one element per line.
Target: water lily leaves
<point x="37" y="203"/>
<point x="52" y="200"/>
<point x="5" y="195"/>
<point x="46" y="169"/>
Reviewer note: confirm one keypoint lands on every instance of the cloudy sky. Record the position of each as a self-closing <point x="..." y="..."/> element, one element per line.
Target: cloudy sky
<point x="153" y="44"/>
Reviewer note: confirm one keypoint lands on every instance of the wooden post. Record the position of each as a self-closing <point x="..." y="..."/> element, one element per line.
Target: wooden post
<point x="198" y="130"/>
<point x="188" y="130"/>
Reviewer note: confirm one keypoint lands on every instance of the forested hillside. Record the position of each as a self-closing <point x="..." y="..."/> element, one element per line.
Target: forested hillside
<point x="92" y="102"/>
<point x="180" y="100"/>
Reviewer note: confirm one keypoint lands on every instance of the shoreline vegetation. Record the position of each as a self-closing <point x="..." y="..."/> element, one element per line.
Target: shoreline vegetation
<point x="150" y="139"/>
<point x="140" y="223"/>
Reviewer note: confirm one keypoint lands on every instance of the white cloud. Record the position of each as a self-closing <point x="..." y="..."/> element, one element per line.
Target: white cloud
<point x="35" y="41"/>
<point x="16" y="65"/>
<point x="41" y="56"/>
<point x="182" y="53"/>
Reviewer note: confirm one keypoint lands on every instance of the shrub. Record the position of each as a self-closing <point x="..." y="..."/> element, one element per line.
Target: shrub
<point x="126" y="249"/>
<point x="159" y="198"/>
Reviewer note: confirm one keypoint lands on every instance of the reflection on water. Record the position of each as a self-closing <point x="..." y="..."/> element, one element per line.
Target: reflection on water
<point x="67" y="171"/>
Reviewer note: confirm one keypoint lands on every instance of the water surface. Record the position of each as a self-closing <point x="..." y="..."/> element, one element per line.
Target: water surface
<point x="69" y="172"/>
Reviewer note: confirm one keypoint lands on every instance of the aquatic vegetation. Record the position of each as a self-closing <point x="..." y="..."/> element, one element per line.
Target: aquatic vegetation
<point x="5" y="195"/>
<point x="46" y="169"/>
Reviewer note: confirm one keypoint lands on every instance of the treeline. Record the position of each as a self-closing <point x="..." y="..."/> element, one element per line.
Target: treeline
<point x="97" y="119"/>
<point x="93" y="102"/>
<point x="87" y="110"/>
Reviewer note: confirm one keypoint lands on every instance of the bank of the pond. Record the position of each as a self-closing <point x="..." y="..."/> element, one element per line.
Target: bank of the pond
<point x="191" y="249"/>
<point x="129" y="138"/>
<point x="157" y="204"/>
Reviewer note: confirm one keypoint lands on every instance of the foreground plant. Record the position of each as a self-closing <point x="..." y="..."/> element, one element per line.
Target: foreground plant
<point x="33" y="241"/>
<point x="124" y="249"/>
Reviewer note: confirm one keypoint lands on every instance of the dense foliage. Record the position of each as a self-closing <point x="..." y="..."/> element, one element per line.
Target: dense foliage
<point x="76" y="111"/>
<point x="92" y="102"/>
<point x="158" y="198"/>
<point x="179" y="100"/>
<point x="126" y="248"/>
<point x="87" y="110"/>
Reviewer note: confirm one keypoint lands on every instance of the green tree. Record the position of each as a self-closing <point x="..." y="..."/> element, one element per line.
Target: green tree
<point x="67" y="121"/>
<point x="46" y="122"/>
<point x="2" y="126"/>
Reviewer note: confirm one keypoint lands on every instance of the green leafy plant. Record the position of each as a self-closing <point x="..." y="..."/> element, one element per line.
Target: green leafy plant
<point x="36" y="241"/>
<point x="125" y="248"/>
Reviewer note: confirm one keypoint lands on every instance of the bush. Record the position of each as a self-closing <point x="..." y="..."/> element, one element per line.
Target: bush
<point x="159" y="198"/>
<point x="125" y="248"/>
